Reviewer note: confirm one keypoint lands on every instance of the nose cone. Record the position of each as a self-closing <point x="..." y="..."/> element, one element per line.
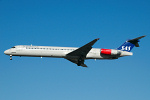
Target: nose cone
<point x="6" y="52"/>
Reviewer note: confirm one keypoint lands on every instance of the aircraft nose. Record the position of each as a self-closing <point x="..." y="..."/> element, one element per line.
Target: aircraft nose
<point x="6" y="52"/>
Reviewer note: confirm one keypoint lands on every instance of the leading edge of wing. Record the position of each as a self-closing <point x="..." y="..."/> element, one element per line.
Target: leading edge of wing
<point x="83" y="51"/>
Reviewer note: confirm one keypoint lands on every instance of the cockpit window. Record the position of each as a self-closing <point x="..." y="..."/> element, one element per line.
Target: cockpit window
<point x="12" y="47"/>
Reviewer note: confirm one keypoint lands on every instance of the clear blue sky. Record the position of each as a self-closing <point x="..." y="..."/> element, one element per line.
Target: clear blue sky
<point x="74" y="23"/>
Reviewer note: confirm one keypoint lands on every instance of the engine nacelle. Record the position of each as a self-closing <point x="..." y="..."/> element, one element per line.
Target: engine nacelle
<point x="110" y="52"/>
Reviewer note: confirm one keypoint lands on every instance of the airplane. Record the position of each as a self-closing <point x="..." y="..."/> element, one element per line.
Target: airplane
<point x="73" y="54"/>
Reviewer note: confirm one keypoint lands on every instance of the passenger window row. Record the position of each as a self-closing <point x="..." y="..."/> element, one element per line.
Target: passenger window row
<point x="48" y="48"/>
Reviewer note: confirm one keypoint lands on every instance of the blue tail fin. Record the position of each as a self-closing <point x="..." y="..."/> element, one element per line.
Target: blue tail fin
<point x="129" y="44"/>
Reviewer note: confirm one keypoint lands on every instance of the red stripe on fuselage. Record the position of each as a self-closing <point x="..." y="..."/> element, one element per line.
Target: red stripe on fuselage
<point x="106" y="51"/>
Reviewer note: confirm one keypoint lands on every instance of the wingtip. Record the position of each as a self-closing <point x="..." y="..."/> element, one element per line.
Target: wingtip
<point x="98" y="38"/>
<point x="144" y="35"/>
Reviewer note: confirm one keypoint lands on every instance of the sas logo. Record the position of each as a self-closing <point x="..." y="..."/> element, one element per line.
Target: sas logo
<point x="126" y="48"/>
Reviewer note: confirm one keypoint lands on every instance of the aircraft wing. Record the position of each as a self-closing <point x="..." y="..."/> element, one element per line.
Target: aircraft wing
<point x="76" y="62"/>
<point x="81" y="53"/>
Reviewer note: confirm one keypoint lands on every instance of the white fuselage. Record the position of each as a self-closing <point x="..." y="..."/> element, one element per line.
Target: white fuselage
<point x="59" y="52"/>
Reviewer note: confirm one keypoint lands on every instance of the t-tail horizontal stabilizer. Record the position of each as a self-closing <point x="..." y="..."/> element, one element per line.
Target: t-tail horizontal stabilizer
<point x="129" y="44"/>
<point x="136" y="40"/>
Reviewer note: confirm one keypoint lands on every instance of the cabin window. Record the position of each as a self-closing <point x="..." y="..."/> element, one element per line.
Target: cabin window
<point x="12" y="47"/>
